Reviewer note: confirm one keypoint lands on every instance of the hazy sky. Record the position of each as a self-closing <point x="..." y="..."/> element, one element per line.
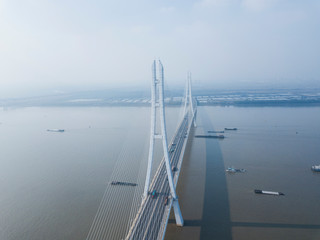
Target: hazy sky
<point x="64" y="45"/>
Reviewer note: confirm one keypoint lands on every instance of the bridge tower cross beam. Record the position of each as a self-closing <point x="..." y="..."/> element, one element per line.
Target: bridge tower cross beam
<point x="157" y="103"/>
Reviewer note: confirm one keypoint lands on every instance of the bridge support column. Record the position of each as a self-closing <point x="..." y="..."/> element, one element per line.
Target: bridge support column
<point x="177" y="213"/>
<point x="160" y="132"/>
<point x="191" y="100"/>
<point x="157" y="111"/>
<point x="188" y="102"/>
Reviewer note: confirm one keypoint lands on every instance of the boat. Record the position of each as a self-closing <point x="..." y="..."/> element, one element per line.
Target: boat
<point x="268" y="192"/>
<point x="210" y="131"/>
<point x="235" y="170"/>
<point x="315" y="168"/>
<point x="123" y="183"/>
<point x="230" y="129"/>
<point x="55" y="130"/>
<point x="209" y="136"/>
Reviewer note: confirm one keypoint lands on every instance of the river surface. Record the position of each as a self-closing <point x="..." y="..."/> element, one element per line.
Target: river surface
<point x="52" y="184"/>
<point x="277" y="146"/>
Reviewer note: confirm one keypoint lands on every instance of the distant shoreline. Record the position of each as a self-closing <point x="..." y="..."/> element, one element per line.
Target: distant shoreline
<point x="265" y="104"/>
<point x="244" y="98"/>
<point x="222" y="104"/>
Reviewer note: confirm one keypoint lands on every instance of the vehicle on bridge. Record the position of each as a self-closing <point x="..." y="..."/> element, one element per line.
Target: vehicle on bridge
<point x="166" y="200"/>
<point x="153" y="194"/>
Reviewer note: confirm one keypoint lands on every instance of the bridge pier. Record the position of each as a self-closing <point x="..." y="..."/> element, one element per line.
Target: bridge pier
<point x="177" y="213"/>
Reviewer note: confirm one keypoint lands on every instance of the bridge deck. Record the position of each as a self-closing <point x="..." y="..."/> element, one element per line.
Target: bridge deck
<point x="152" y="217"/>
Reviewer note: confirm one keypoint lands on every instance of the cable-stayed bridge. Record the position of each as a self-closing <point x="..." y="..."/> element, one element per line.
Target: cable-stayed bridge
<point x="159" y="195"/>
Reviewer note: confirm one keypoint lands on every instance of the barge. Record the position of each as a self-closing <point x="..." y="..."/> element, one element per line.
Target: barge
<point x="123" y="183"/>
<point x="55" y="130"/>
<point x="315" y="168"/>
<point x="209" y="136"/>
<point x="268" y="192"/>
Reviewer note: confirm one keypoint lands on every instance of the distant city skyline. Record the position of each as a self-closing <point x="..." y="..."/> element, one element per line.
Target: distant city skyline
<point x="51" y="47"/>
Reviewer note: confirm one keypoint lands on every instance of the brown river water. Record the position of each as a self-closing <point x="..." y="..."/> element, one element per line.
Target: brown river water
<point x="51" y="184"/>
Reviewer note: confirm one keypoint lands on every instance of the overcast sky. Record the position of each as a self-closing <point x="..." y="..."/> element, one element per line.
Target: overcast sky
<point x="70" y="45"/>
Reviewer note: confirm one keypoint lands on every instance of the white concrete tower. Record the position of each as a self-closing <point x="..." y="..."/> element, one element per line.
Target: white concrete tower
<point x="188" y="101"/>
<point x="157" y="111"/>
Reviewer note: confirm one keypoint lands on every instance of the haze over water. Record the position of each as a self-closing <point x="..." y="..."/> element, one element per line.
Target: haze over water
<point x="52" y="183"/>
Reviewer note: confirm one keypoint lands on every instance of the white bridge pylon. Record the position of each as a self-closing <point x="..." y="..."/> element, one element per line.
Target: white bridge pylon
<point x="157" y="111"/>
<point x="188" y="102"/>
